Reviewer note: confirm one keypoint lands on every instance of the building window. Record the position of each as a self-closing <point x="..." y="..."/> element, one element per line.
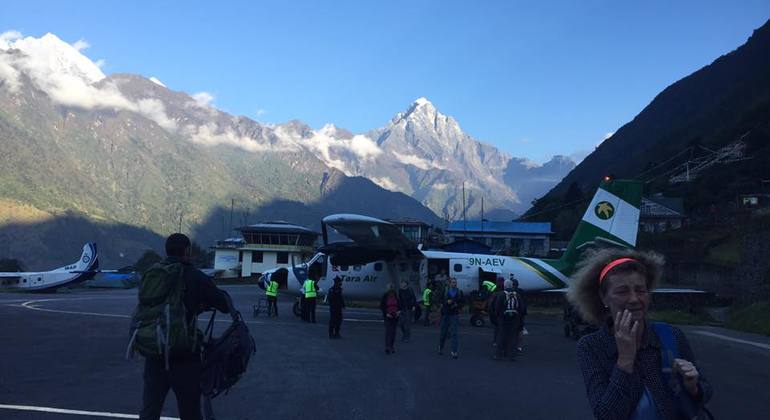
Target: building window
<point x="282" y="257"/>
<point x="256" y="256"/>
<point x="377" y="266"/>
<point x="458" y="268"/>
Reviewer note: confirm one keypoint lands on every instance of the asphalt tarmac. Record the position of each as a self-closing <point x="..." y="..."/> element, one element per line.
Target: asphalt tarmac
<point x="66" y="352"/>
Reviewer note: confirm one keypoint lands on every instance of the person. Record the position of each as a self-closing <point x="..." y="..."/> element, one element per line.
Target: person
<point x="507" y="312"/>
<point x="272" y="298"/>
<point x="427" y="302"/>
<point x="310" y="290"/>
<point x="522" y="315"/>
<point x="490" y="286"/>
<point x="390" y="313"/>
<point x="336" y="305"/>
<point x="491" y="310"/>
<point x="623" y="362"/>
<point x="406" y="305"/>
<point x="184" y="367"/>
<point x="450" y="316"/>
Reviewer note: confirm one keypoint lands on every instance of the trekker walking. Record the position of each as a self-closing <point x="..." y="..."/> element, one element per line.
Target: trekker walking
<point x="406" y="303"/>
<point x="450" y="316"/>
<point x="507" y="310"/>
<point x="389" y="308"/>
<point x="522" y="315"/>
<point x="336" y="305"/>
<point x="184" y="292"/>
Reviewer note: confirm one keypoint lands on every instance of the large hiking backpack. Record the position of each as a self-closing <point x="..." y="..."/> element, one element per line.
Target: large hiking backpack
<point x="159" y="324"/>
<point x="225" y="358"/>
<point x="511" y="305"/>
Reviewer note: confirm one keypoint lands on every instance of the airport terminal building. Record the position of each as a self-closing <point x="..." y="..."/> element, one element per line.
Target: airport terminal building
<point x="263" y="246"/>
<point x="526" y="239"/>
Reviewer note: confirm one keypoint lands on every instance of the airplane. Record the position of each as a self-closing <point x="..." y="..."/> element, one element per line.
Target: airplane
<point x="83" y="269"/>
<point x="378" y="253"/>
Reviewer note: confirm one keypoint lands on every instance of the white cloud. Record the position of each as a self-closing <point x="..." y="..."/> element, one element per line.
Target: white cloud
<point x="203" y="99"/>
<point x="525" y="141"/>
<point x="212" y="135"/>
<point x="81" y="45"/>
<point x="8" y="37"/>
<point x="100" y="63"/>
<point x="155" y="80"/>
<point x="156" y="111"/>
<point x="416" y="161"/>
<point x="260" y="112"/>
<point x="386" y="183"/>
<point x="341" y="152"/>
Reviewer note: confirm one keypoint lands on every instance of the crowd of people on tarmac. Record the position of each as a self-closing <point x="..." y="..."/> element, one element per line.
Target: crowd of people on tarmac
<point x="441" y="304"/>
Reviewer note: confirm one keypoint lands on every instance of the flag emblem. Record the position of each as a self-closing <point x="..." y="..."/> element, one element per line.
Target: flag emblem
<point x="604" y="210"/>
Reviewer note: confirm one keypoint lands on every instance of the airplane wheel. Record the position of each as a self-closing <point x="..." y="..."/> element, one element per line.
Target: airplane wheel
<point x="297" y="311"/>
<point x="477" y="321"/>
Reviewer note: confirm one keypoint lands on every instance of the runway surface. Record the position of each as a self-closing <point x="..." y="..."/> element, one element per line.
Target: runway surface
<point x="65" y="352"/>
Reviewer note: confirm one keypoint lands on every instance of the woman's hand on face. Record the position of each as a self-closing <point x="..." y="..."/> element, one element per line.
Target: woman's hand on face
<point x="625" y="338"/>
<point x="689" y="375"/>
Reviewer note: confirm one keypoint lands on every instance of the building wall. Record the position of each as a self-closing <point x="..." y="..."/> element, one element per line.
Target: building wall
<point x="522" y="245"/>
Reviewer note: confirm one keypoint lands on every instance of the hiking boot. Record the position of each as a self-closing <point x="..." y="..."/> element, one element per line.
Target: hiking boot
<point x="454" y="355"/>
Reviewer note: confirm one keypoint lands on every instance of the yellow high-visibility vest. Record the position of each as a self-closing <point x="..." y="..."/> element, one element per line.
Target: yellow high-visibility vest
<point x="426" y="297"/>
<point x="272" y="289"/>
<point x="309" y="289"/>
<point x="491" y="287"/>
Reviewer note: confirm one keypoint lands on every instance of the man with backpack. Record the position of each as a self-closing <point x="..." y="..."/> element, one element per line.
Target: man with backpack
<point x="450" y="316"/>
<point x="407" y="302"/>
<point x="163" y="329"/>
<point x="507" y="306"/>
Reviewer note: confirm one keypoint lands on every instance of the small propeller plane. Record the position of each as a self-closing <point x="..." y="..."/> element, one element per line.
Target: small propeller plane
<point x="83" y="269"/>
<point x="378" y="254"/>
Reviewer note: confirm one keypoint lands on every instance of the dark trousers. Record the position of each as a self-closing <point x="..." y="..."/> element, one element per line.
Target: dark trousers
<point x="426" y="322"/>
<point x="272" y="306"/>
<point x="507" y="336"/>
<point x="335" y="321"/>
<point x="310" y="305"/>
<point x="405" y="322"/>
<point x="183" y="378"/>
<point x="449" y="324"/>
<point x="390" y="332"/>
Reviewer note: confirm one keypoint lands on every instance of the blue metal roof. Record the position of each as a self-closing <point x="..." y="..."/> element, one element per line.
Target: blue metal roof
<point x="543" y="228"/>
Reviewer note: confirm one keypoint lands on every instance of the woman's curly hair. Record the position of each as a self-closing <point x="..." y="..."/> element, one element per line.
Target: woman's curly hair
<point x="585" y="291"/>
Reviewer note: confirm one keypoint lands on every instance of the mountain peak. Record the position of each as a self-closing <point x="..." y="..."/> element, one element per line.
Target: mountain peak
<point x="422" y="101"/>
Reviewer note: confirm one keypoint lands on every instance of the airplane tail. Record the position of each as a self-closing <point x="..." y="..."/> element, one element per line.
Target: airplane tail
<point x="612" y="218"/>
<point x="88" y="259"/>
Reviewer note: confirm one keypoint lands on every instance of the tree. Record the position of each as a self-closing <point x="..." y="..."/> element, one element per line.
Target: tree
<point x="11" y="264"/>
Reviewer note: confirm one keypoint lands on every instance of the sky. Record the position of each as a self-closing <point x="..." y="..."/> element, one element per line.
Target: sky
<point x="534" y="79"/>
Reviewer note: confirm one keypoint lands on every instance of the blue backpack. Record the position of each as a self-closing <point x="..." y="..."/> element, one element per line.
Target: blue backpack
<point x="684" y="404"/>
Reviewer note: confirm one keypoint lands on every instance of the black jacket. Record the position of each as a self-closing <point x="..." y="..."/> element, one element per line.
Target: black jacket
<point x="335" y="299"/>
<point x="406" y="299"/>
<point x="454" y="307"/>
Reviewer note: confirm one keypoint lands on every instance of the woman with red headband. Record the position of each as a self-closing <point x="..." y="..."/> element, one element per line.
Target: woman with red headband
<point x="632" y="368"/>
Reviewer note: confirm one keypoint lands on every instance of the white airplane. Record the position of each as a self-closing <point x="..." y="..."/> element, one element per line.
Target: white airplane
<point x="379" y="254"/>
<point x="83" y="269"/>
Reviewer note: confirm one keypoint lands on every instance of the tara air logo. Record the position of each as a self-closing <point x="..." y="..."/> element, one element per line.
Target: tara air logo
<point x="604" y="210"/>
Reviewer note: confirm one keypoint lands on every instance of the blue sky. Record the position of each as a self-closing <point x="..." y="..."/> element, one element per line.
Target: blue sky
<point x="532" y="78"/>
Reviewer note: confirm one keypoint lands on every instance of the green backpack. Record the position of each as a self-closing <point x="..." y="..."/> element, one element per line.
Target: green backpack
<point x="159" y="324"/>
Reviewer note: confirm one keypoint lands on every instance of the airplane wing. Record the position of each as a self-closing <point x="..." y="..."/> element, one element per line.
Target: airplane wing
<point x="10" y="275"/>
<point x="372" y="239"/>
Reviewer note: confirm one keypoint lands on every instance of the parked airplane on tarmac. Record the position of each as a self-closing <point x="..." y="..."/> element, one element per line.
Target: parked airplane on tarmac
<point x="83" y="269"/>
<point x="379" y="254"/>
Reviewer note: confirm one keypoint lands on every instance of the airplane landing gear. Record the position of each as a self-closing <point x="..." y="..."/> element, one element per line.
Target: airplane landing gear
<point x="477" y="320"/>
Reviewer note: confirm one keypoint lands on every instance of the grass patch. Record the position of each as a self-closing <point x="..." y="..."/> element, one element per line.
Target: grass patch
<point x="671" y="316"/>
<point x="753" y="318"/>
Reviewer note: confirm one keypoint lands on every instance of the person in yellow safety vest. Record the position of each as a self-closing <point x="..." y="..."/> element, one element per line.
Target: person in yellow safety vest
<point x="426" y="302"/>
<point x="272" y="299"/>
<point x="309" y="288"/>
<point x="491" y="286"/>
